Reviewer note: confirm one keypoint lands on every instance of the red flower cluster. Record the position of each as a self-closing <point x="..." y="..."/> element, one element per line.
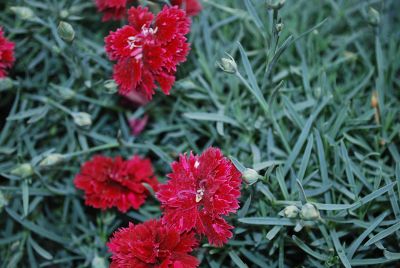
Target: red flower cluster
<point x="200" y="191"/>
<point x="117" y="183"/>
<point x="152" y="244"/>
<point x="192" y="7"/>
<point x="6" y="54"/>
<point x="112" y="9"/>
<point x="148" y="50"/>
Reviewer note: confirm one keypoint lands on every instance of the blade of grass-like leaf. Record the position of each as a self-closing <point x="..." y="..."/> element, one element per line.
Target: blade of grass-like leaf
<point x="383" y="234"/>
<point x="243" y="211"/>
<point x="254" y="15"/>
<point x="273" y="232"/>
<point x="211" y="117"/>
<point x="237" y="164"/>
<point x="303" y="136"/>
<point x="340" y="250"/>
<point x="306" y="157"/>
<point x="253" y="87"/>
<point x="373" y="195"/>
<point x="349" y="172"/>
<point x="39" y="250"/>
<point x="35" y="228"/>
<point x="25" y="197"/>
<point x="356" y="243"/>
<point x="308" y="250"/>
<point x="302" y="194"/>
<point x="253" y="258"/>
<point x="322" y="164"/>
<point x="267" y="221"/>
<point x="236" y="259"/>
<point x="282" y="184"/>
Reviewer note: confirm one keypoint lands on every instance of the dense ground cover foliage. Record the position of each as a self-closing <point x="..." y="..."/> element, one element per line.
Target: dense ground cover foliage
<point x="303" y="98"/>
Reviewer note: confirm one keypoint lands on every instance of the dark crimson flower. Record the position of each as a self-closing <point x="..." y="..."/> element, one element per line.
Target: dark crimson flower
<point x="152" y="244"/>
<point x="192" y="7"/>
<point x="112" y="9"/>
<point x="6" y="54"/>
<point x="137" y="125"/>
<point x="202" y="188"/>
<point x="148" y="50"/>
<point x="117" y="183"/>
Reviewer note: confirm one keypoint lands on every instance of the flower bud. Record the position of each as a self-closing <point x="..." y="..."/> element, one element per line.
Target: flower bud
<point x="65" y="31"/>
<point x="374" y="100"/>
<point x="98" y="262"/>
<point x="23" y="170"/>
<point x="24" y="13"/>
<point x="373" y="17"/>
<point x="5" y="83"/>
<point x="279" y="27"/>
<point x="309" y="212"/>
<point x="250" y="176"/>
<point x="82" y="119"/>
<point x="228" y="65"/>
<point x="291" y="211"/>
<point x="110" y="86"/>
<point x="51" y="160"/>
<point x="64" y="14"/>
<point x="275" y="4"/>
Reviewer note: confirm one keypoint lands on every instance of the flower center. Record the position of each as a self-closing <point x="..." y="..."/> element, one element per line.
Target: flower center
<point x="199" y="195"/>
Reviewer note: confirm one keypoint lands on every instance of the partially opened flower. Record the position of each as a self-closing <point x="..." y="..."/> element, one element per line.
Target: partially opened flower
<point x="192" y="7"/>
<point x="148" y="50"/>
<point x="152" y="244"/>
<point x="6" y="54"/>
<point x="112" y="9"/>
<point x="116" y="183"/>
<point x="202" y="189"/>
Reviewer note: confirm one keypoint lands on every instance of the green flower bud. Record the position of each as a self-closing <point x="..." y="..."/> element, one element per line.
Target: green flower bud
<point x="5" y="83"/>
<point x="98" y="262"/>
<point x="65" y="31"/>
<point x="291" y="211"/>
<point x="82" y="119"/>
<point x="309" y="212"/>
<point x="373" y="17"/>
<point x="279" y="27"/>
<point x="110" y="86"/>
<point x="275" y="4"/>
<point x="23" y="170"/>
<point x="250" y="176"/>
<point x="24" y="13"/>
<point x="228" y="65"/>
<point x="51" y="160"/>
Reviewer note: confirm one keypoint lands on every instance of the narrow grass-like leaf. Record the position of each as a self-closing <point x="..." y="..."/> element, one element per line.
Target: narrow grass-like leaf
<point x="306" y="157"/>
<point x="340" y="250"/>
<point x="236" y="259"/>
<point x="308" y="250"/>
<point x="211" y="117"/>
<point x="267" y="221"/>
<point x="39" y="250"/>
<point x="382" y="234"/>
<point x="35" y="228"/>
<point x="254" y="15"/>
<point x="273" y="232"/>
<point x="356" y="243"/>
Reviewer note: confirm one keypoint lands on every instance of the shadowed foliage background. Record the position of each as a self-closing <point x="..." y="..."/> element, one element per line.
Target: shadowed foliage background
<point x="299" y="112"/>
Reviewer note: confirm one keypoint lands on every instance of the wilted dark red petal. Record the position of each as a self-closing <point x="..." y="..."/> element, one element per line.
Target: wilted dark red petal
<point x="192" y="7"/>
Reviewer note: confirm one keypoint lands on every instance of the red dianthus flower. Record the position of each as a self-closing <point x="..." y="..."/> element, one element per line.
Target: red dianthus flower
<point x="148" y="50"/>
<point x="192" y="7"/>
<point x="200" y="191"/>
<point x="152" y="244"/>
<point x="112" y="9"/>
<point x="6" y="54"/>
<point x="117" y="183"/>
